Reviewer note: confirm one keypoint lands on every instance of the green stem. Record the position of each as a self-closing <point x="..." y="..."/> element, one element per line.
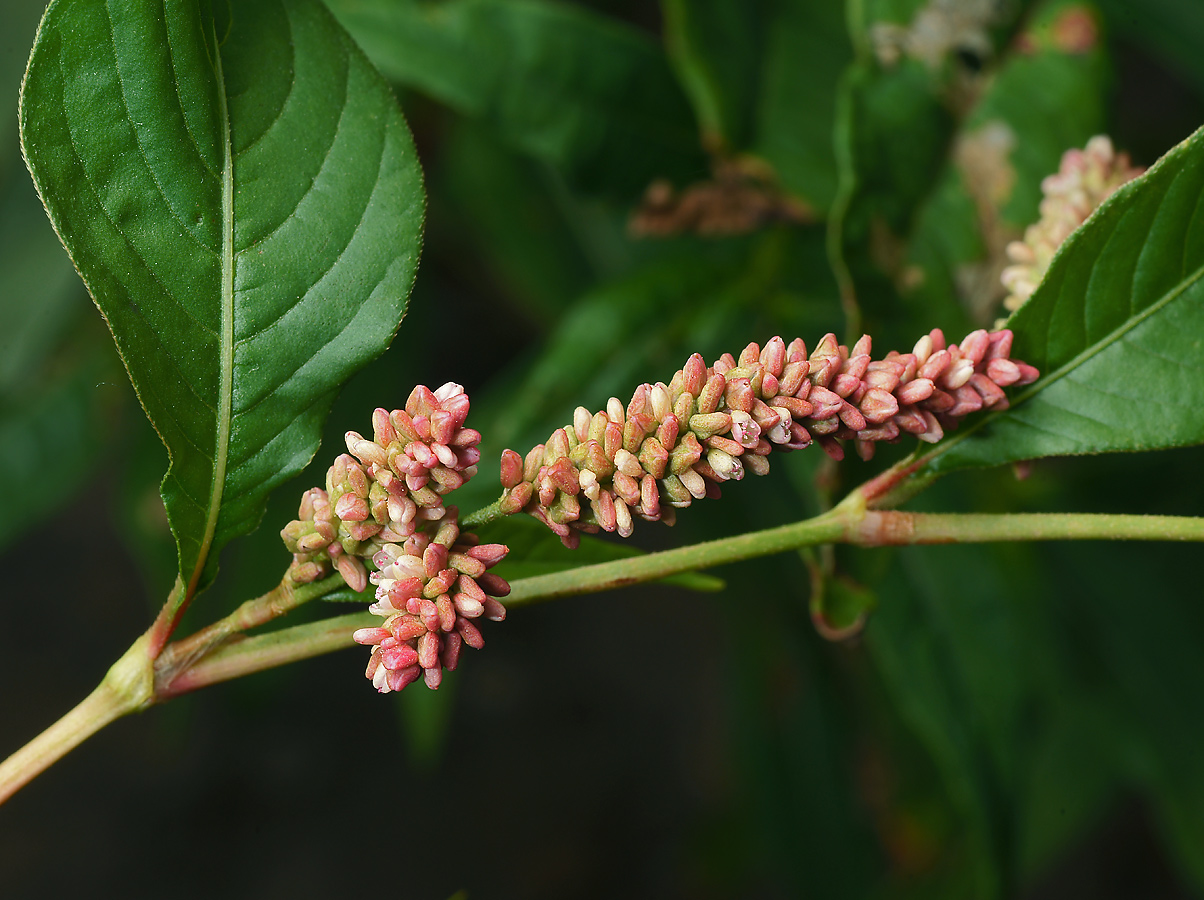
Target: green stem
<point x="823" y="529"/>
<point x="219" y="652"/>
<point x="182" y="655"/>
<point x="484" y="516"/>
<point x="883" y="528"/>
<point x="849" y="522"/>
<point x="243" y="655"/>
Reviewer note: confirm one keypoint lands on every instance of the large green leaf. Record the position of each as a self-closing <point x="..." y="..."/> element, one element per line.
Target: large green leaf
<point x="243" y="200"/>
<point x="587" y="94"/>
<point x="1115" y="328"/>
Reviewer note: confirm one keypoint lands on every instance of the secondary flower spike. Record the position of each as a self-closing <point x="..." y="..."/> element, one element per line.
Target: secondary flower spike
<point x="676" y="443"/>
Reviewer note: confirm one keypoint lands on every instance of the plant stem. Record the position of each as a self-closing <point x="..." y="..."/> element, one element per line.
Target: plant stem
<point x="244" y="655"/>
<point x="484" y="516"/>
<point x="182" y="655"/>
<point x="126" y="688"/>
<point x="883" y="528"/>
<point x="220" y="652"/>
<point x="165" y="623"/>
<point x="830" y="526"/>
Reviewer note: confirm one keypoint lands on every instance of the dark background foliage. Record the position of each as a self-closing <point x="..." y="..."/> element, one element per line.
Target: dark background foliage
<point x="1020" y="721"/>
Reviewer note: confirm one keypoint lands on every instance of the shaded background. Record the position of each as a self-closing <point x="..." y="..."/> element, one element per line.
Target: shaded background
<point x="1015" y="721"/>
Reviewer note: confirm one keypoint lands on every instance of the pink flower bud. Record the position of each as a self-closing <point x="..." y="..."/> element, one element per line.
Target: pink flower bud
<point x="878" y="405"/>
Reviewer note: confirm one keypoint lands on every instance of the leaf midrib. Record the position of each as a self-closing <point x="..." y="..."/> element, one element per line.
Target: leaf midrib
<point x="225" y="400"/>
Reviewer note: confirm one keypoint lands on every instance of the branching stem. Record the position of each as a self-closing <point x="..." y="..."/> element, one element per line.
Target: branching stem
<point x="221" y="651"/>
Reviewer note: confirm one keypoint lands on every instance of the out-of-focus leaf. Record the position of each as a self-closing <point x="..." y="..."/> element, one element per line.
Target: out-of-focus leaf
<point x="919" y="70"/>
<point x="504" y="201"/>
<point x="591" y="96"/>
<point x="763" y="79"/>
<point x="1172" y="29"/>
<point x="949" y="645"/>
<point x="806" y="49"/>
<point x="1115" y="330"/>
<point x="535" y="550"/>
<point x="715" y="47"/>
<point x="244" y="202"/>
<point x="795" y="742"/>
<point x="40" y="296"/>
<point x="621" y="334"/>
<point x="49" y="442"/>
<point x="1144" y="638"/>
<point x="18" y="23"/>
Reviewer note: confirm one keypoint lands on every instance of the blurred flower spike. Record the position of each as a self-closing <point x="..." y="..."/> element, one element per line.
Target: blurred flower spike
<point x="1084" y="180"/>
<point x="383" y="509"/>
<point x="676" y="443"/>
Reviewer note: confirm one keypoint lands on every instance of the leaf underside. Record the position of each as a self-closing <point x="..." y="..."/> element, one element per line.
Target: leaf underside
<point x="243" y="200"/>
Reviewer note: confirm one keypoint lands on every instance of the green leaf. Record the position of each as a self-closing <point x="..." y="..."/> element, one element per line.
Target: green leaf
<point x="503" y="202"/>
<point x="619" y="334"/>
<point x="243" y="200"/>
<point x="587" y="94"/>
<point x="1144" y="660"/>
<point x="947" y="656"/>
<point x="1115" y="328"/>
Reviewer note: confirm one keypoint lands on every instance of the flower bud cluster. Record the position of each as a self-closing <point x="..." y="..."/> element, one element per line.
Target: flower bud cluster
<point x="383" y="509"/>
<point x="678" y="442"/>
<point x="382" y="489"/>
<point x="1084" y="180"/>
<point x="430" y="590"/>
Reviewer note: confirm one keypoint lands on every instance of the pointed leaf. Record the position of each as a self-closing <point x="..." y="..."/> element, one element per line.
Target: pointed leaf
<point x="1115" y="329"/>
<point x="243" y="200"/>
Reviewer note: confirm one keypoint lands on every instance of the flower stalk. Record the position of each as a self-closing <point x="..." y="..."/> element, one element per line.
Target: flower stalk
<point x="849" y="523"/>
<point x="221" y="652"/>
